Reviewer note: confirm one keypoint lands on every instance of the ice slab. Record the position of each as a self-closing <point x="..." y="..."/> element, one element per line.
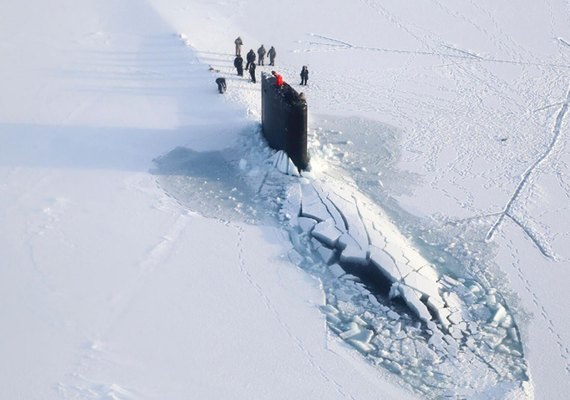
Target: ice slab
<point x="327" y="233"/>
<point x="311" y="204"/>
<point x="411" y="299"/>
<point x="422" y="284"/>
<point x="348" y="208"/>
<point x="452" y="300"/>
<point x="429" y="272"/>
<point x="361" y="346"/>
<point x="331" y="207"/>
<point x="336" y="270"/>
<point x="500" y="315"/>
<point x="306" y="224"/>
<point x="284" y="164"/>
<point x="326" y="254"/>
<point x="354" y="255"/>
<point x="291" y="207"/>
<point x="353" y="330"/>
<point x="382" y="261"/>
<point x="374" y="236"/>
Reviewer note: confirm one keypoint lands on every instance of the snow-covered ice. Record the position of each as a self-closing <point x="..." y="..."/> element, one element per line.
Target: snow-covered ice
<point x="153" y="246"/>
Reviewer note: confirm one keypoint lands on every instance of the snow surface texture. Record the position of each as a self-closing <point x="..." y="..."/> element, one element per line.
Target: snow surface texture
<point x="116" y="288"/>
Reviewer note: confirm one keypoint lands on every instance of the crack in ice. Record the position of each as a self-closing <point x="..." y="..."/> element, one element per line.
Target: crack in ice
<point x="525" y="178"/>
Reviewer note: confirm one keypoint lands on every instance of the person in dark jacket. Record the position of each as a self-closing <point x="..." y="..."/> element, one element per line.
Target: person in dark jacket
<point x="238" y="42"/>
<point x="261" y="54"/>
<point x="304" y="75"/>
<point x="221" y="82"/>
<point x="250" y="57"/>
<point x="272" y="53"/>
<point x="252" y="71"/>
<point x="238" y="63"/>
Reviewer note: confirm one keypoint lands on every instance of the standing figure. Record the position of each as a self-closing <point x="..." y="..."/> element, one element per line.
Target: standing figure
<point x="272" y="53"/>
<point x="250" y="57"/>
<point x="252" y="71"/>
<point x="278" y="79"/>
<point x="304" y="75"/>
<point x="238" y="43"/>
<point x="221" y="82"/>
<point x="261" y="54"/>
<point x="238" y="63"/>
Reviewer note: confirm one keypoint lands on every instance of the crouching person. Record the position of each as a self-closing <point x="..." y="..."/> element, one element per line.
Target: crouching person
<point x="221" y="82"/>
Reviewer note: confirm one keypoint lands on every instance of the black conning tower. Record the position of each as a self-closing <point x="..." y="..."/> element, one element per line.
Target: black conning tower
<point x="284" y="120"/>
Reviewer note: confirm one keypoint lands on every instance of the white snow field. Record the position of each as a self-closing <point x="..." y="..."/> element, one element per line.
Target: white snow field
<point x="153" y="247"/>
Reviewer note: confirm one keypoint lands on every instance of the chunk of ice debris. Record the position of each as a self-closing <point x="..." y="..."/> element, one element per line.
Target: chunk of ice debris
<point x="452" y="300"/>
<point x="333" y="319"/>
<point x="283" y="164"/>
<point x="422" y="284"/>
<point x="376" y="238"/>
<point x="292" y="204"/>
<point x="429" y="272"/>
<point x="359" y="321"/>
<point x="373" y="300"/>
<point x="385" y="264"/>
<point x="455" y="318"/>
<point x="326" y="254"/>
<point x="348" y="208"/>
<point x="306" y="224"/>
<point x="295" y="257"/>
<point x="361" y="346"/>
<point x="436" y="340"/>
<point x="311" y="204"/>
<point x="354" y="255"/>
<point x="414" y="303"/>
<point x="336" y="270"/>
<point x="393" y="315"/>
<point x="329" y="309"/>
<point x="353" y="330"/>
<point x="327" y="233"/>
<point x="500" y="315"/>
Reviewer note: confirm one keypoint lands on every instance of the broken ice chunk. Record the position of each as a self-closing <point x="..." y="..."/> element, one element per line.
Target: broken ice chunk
<point x="353" y="330"/>
<point x="393" y="315"/>
<point x="436" y="340"/>
<point x="374" y="236"/>
<point x="429" y="272"/>
<point x="455" y="333"/>
<point x="500" y="315"/>
<point x="295" y="257"/>
<point x="326" y="254"/>
<point x="327" y="233"/>
<point x="455" y="317"/>
<point x="442" y="316"/>
<point x="306" y="224"/>
<point x="452" y="300"/>
<point x="331" y="208"/>
<point x="336" y="270"/>
<point x="361" y="346"/>
<point x="414" y="303"/>
<point x="354" y="255"/>
<point x="292" y="204"/>
<point x="359" y="321"/>
<point x="348" y="208"/>
<point x="311" y="204"/>
<point x="329" y="309"/>
<point x="422" y="284"/>
<point x="385" y="264"/>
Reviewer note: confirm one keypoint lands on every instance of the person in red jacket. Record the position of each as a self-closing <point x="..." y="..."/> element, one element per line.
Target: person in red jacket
<point x="278" y="79"/>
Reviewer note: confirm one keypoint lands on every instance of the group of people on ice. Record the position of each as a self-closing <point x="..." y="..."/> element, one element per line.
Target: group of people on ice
<point x="251" y="58"/>
<point x="250" y="65"/>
